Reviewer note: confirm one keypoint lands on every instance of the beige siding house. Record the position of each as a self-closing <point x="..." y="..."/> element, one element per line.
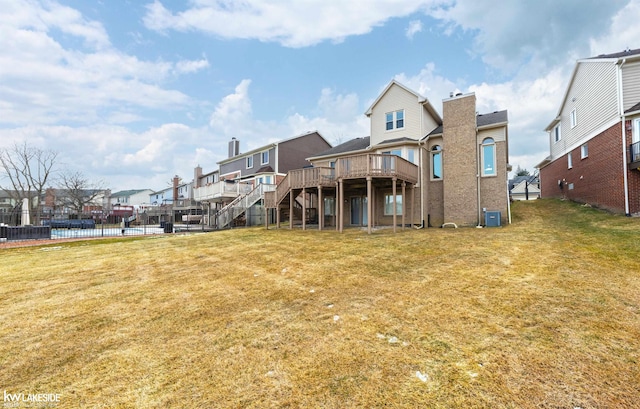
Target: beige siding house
<point x="415" y="169"/>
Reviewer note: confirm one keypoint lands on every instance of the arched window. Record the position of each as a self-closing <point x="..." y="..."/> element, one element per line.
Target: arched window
<point x="436" y="162"/>
<point x="488" y="157"/>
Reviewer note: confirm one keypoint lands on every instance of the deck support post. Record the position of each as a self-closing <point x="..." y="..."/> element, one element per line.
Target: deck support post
<point x="369" y="204"/>
<point x="341" y="206"/>
<point x="304" y="208"/>
<point x="395" y="206"/>
<point x="404" y="203"/>
<point x="291" y="199"/>
<point x="320" y="209"/>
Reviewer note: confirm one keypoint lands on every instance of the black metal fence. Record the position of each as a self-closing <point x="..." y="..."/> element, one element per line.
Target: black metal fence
<point x="53" y="228"/>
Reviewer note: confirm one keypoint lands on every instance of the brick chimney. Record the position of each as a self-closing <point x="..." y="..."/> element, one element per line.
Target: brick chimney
<point x="176" y="182"/>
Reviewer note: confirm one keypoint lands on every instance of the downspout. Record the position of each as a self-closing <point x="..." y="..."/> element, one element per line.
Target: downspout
<point x="423" y="200"/>
<point x="624" y="139"/>
<point x="478" y="177"/>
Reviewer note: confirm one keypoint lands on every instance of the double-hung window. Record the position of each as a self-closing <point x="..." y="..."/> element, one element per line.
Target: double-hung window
<point x="394" y="120"/>
<point x="574" y="118"/>
<point x="249" y="162"/>
<point x="488" y="157"/>
<point x="556" y="133"/>
<point x="264" y="158"/>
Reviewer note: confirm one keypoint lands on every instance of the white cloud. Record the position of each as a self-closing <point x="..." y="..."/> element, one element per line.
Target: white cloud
<point x="185" y="66"/>
<point x="537" y="34"/>
<point x="624" y="32"/>
<point x="44" y="82"/>
<point x="291" y="23"/>
<point x="415" y="26"/>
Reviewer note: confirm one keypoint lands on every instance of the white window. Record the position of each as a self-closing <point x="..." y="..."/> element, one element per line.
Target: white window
<point x="556" y="133"/>
<point x="488" y="157"/>
<point x="264" y="157"/>
<point x="569" y="161"/>
<point x="436" y="163"/>
<point x="411" y="156"/>
<point x="635" y="137"/>
<point x="584" y="151"/>
<point x="574" y="118"/>
<point x="394" y="120"/>
<point x="388" y="205"/>
<point x="249" y="162"/>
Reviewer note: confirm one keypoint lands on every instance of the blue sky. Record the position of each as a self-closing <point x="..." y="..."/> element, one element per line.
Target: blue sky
<point x="131" y="93"/>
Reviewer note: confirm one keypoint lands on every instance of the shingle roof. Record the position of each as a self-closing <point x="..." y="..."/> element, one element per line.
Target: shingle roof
<point x="265" y="169"/>
<point x="620" y="54"/>
<point x="127" y="192"/>
<point x="634" y="108"/>
<point x="495" y="117"/>
<point x="351" y="145"/>
<point x="397" y="140"/>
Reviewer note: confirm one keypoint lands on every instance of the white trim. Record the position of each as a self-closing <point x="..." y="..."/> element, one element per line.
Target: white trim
<point x="574" y="118"/>
<point x="584" y="150"/>
<point x="569" y="160"/>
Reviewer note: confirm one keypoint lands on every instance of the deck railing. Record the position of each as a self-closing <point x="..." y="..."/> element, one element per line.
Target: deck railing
<point x="351" y="167"/>
<point x="379" y="165"/>
<point x="221" y="189"/>
<point x="241" y="204"/>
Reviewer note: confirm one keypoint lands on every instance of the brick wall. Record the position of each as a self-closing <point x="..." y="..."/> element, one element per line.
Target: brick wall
<point x="460" y="161"/>
<point x="597" y="179"/>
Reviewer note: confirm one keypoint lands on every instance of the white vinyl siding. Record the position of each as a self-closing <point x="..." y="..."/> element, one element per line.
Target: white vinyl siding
<point x="593" y="92"/>
<point x="396" y="99"/>
<point x="630" y="84"/>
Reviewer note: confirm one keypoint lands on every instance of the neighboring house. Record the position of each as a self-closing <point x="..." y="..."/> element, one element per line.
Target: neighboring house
<point x="129" y="201"/>
<point x="524" y="188"/>
<point x="62" y="203"/>
<point x="9" y="207"/>
<point x="246" y="176"/>
<point x="594" y="139"/>
<point x="416" y="168"/>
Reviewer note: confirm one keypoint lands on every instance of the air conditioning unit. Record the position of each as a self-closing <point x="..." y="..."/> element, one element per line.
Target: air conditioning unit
<point x="492" y="219"/>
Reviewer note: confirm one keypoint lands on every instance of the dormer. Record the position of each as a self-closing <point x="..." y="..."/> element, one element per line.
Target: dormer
<point x="400" y="113"/>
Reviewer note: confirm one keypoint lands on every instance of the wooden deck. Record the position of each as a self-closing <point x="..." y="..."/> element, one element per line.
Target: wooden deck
<point x="350" y="167"/>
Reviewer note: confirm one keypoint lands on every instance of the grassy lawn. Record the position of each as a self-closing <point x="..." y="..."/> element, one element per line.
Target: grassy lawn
<point x="544" y="313"/>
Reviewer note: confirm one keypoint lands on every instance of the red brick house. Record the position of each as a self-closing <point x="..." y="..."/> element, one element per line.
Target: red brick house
<point x="595" y="138"/>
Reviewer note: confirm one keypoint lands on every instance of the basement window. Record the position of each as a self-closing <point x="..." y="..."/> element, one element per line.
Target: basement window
<point x="584" y="151"/>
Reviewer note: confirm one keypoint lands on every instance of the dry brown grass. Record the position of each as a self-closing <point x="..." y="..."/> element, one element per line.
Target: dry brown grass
<point x="541" y="314"/>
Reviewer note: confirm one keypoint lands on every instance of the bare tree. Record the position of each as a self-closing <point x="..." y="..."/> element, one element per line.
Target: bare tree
<point x="77" y="191"/>
<point x="27" y="170"/>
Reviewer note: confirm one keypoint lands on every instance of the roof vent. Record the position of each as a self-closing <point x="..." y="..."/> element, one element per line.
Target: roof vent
<point x="451" y="94"/>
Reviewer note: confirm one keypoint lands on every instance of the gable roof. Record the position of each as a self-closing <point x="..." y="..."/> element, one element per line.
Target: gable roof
<point x="357" y="144"/>
<point x="420" y="99"/>
<point x="490" y="120"/>
<point x="617" y="58"/>
<point x="621" y="54"/>
<point x="271" y="145"/>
